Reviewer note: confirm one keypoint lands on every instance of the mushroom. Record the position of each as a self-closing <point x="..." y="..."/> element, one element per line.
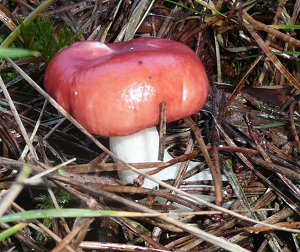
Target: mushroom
<point x="115" y="90"/>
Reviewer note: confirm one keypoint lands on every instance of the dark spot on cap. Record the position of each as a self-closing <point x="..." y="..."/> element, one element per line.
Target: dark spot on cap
<point x="150" y="77"/>
<point x="140" y="62"/>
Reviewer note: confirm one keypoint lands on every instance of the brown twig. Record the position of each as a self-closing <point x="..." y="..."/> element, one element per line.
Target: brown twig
<point x="270" y="30"/>
<point x="276" y="168"/>
<point x="65" y="242"/>
<point x="215" y="174"/>
<point x="241" y="83"/>
<point x="162" y="130"/>
<point x="293" y="125"/>
<point x="294" y="82"/>
<point x="186" y="38"/>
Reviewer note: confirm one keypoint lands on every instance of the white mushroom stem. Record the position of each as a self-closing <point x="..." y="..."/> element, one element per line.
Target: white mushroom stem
<point x="143" y="147"/>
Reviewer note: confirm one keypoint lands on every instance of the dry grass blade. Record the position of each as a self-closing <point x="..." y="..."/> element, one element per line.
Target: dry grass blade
<point x="237" y="187"/>
<point x="137" y="17"/>
<point x="8" y="21"/>
<point x="65" y="242"/>
<point x="14" y="190"/>
<point x="295" y="12"/>
<point x="18" y="119"/>
<point x="34" y="130"/>
<point x="117" y="246"/>
<point x="35" y="179"/>
<point x="98" y="167"/>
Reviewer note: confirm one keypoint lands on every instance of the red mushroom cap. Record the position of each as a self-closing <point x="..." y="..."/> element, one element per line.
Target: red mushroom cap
<point x="116" y="89"/>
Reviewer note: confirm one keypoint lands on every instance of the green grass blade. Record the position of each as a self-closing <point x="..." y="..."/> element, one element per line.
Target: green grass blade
<point x="68" y="213"/>
<point x="214" y="10"/>
<point x="288" y="52"/>
<point x="264" y="126"/>
<point x="284" y="27"/>
<point x="189" y="9"/>
<point x="10" y="231"/>
<point x="16" y="52"/>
